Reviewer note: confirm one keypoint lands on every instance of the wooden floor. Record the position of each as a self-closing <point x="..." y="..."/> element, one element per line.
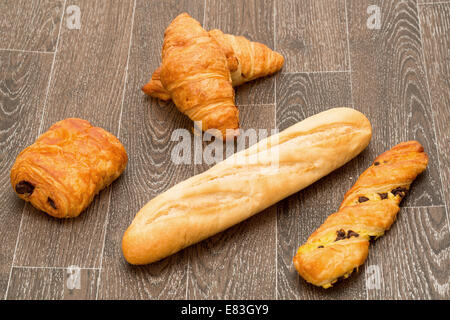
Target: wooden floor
<point x="398" y="76"/>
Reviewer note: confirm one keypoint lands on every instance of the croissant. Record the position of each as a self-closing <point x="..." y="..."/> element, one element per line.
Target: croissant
<point x="67" y="166"/>
<point x="195" y="73"/>
<point x="155" y="88"/>
<point x="341" y="243"/>
<point x="247" y="61"/>
<point x="255" y="60"/>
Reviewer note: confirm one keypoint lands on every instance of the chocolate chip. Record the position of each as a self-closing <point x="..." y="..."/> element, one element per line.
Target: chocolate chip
<point x="383" y="196"/>
<point x="351" y="233"/>
<point x="320" y="247"/>
<point x="363" y="199"/>
<point x="399" y="191"/>
<point x="24" y="187"/>
<point x="376" y="163"/>
<point x="51" y="203"/>
<point x="340" y="235"/>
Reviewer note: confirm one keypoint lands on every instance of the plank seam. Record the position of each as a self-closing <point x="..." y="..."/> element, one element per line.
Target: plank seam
<point x="39" y="132"/>
<point x="423" y="207"/>
<point x="318" y="71"/>
<point x="118" y="136"/>
<point x="52" y="69"/>
<point x="348" y="54"/>
<point x="276" y="126"/>
<point x="193" y="172"/>
<point x="432" y="115"/>
<point x="26" y="51"/>
<point x="351" y="90"/>
<point x="265" y="105"/>
<point x="431" y="3"/>
<point x="52" y="268"/>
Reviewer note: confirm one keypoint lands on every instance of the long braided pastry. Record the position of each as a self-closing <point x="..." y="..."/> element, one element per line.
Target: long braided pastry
<point x="341" y="243"/>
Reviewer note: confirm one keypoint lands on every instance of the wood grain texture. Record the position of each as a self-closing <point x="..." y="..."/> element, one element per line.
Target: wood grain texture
<point x="312" y="35"/>
<point x="389" y="71"/>
<point x="389" y="87"/>
<point x="52" y="284"/>
<point x="238" y="263"/>
<point x="30" y="24"/>
<point x="146" y="130"/>
<point x="36" y="284"/>
<point x="83" y="289"/>
<point x="87" y="82"/>
<point x="300" y="96"/>
<point x="23" y="84"/>
<point x="413" y="257"/>
<point x="438" y="2"/>
<point x="435" y="23"/>
<point x="233" y="17"/>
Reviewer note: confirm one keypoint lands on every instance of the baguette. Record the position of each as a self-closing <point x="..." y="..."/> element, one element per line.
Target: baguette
<point x="341" y="243"/>
<point x="245" y="183"/>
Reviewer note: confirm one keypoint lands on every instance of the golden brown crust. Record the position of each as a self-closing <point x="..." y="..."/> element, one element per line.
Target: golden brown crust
<point x="247" y="60"/>
<point x="255" y="60"/>
<point x="245" y="184"/>
<point x="227" y="49"/>
<point x="155" y="88"/>
<point x="341" y="243"/>
<point x="195" y="73"/>
<point x="67" y="166"/>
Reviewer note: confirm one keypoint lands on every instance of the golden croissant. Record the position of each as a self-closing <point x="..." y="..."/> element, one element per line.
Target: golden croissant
<point x="67" y="166"/>
<point x="247" y="61"/>
<point x="195" y="73"/>
<point x="341" y="244"/>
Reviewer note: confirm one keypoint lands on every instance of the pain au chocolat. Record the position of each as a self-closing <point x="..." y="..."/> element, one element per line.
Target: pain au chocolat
<point x="67" y="166"/>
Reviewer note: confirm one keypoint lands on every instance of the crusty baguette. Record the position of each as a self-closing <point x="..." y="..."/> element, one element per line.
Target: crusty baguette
<point x="341" y="243"/>
<point x="245" y="183"/>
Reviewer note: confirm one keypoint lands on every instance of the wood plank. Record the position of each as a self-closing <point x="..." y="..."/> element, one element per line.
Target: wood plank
<point x="438" y="2"/>
<point x="300" y="96"/>
<point x="23" y="85"/>
<point x="233" y="17"/>
<point x="238" y="263"/>
<point x="36" y="284"/>
<point x="82" y="285"/>
<point x="389" y="87"/>
<point x="52" y="284"/>
<point x="312" y="35"/>
<point x="413" y="257"/>
<point x="30" y="24"/>
<point x="87" y="82"/>
<point x="435" y="23"/>
<point x="146" y="130"/>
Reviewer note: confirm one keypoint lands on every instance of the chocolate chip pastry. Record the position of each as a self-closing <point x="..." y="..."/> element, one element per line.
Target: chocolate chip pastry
<point x="341" y="243"/>
<point x="67" y="166"/>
